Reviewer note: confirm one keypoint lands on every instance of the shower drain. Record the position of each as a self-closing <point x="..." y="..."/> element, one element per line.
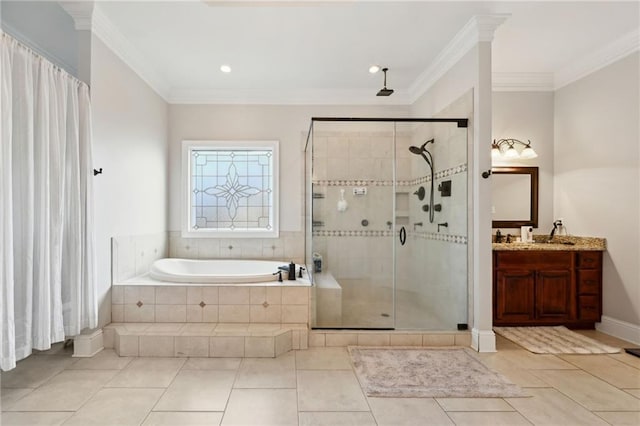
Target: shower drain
<point x="384" y="315"/>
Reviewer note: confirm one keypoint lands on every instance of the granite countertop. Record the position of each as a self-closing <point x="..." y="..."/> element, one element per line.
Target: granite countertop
<point x="559" y="243"/>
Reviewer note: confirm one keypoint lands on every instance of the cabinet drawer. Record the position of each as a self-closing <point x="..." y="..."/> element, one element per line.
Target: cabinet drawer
<point x="533" y="260"/>
<point x="590" y="259"/>
<point x="589" y="308"/>
<point x="589" y="281"/>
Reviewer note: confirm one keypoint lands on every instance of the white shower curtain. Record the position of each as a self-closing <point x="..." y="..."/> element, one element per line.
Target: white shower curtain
<point x="47" y="264"/>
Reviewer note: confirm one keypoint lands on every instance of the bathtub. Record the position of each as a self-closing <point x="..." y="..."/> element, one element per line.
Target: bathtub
<point x="216" y="271"/>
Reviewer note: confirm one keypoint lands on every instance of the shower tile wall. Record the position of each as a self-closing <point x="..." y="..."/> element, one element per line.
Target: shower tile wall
<point x="344" y="161"/>
<point x="133" y="255"/>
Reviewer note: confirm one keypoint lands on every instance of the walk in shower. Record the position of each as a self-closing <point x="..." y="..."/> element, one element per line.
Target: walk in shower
<point x="386" y="223"/>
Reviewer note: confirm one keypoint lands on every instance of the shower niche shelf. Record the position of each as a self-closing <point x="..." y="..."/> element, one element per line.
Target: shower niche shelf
<point x="402" y="208"/>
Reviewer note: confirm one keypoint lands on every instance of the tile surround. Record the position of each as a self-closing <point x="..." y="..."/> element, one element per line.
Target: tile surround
<point x="226" y="304"/>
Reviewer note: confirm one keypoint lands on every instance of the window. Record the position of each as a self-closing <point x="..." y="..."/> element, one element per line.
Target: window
<point x="230" y="189"/>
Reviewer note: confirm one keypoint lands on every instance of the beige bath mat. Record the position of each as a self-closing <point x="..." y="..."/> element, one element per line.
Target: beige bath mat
<point x="554" y="340"/>
<point x="427" y="372"/>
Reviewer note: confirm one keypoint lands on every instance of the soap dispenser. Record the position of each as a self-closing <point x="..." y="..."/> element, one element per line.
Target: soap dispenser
<point x="292" y="271"/>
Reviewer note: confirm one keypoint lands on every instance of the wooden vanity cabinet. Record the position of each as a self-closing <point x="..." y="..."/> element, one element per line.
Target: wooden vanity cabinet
<point x="547" y="288"/>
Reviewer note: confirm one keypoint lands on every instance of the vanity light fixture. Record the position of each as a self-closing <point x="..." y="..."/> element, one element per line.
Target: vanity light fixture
<point x="225" y="68"/>
<point x="506" y="148"/>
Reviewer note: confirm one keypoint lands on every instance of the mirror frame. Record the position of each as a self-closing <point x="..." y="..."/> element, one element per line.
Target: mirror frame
<point x="533" y="215"/>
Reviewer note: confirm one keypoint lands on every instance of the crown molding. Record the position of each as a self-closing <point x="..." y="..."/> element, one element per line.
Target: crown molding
<point x="80" y="11"/>
<point x="523" y="82"/>
<point x="37" y="48"/>
<point x="279" y="97"/>
<point x="113" y="38"/>
<point x="599" y="59"/>
<point x="480" y="28"/>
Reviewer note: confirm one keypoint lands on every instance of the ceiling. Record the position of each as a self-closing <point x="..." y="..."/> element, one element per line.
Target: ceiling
<point x="320" y="52"/>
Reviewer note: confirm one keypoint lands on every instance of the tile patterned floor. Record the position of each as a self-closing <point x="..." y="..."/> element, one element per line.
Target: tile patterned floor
<point x="313" y="387"/>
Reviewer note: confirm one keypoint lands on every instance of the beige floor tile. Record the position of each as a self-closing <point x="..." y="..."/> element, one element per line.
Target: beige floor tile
<point x="197" y="390"/>
<point x="621" y="418"/>
<point x="147" y="373"/>
<point x="35" y="370"/>
<point x="169" y="418"/>
<point x="608" y="369"/>
<point x="267" y="372"/>
<point x="474" y="404"/>
<point x="105" y="360"/>
<point x="68" y="391"/>
<point x="605" y="338"/>
<point x="589" y="391"/>
<point x="212" y="364"/>
<point x="120" y="407"/>
<point x="634" y="392"/>
<point x="34" y="419"/>
<point x="550" y="407"/>
<point x="529" y="361"/>
<point x="336" y="419"/>
<point x="261" y="407"/>
<point x="329" y="391"/>
<point x="628" y="359"/>
<point x="496" y="418"/>
<point x="408" y="411"/>
<point x="9" y="396"/>
<point x="323" y="359"/>
<point x="56" y="349"/>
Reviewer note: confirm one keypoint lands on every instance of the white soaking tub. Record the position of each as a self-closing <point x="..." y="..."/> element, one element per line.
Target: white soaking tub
<point x="217" y="271"/>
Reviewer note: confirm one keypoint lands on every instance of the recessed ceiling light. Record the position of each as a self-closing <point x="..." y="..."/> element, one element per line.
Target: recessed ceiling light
<point x="225" y="68"/>
<point x="374" y="69"/>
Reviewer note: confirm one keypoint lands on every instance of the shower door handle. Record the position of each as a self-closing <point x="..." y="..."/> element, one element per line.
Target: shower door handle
<point x="403" y="236"/>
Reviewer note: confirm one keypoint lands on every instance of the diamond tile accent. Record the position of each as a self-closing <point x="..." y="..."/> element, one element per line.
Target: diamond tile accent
<point x="139" y="304"/>
<point x="202" y="304"/>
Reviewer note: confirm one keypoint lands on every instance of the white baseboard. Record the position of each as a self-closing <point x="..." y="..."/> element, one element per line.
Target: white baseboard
<point x="620" y="329"/>
<point x="483" y="340"/>
<point x="88" y="343"/>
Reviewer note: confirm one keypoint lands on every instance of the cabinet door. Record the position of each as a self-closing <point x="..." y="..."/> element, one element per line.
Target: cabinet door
<point x="554" y="299"/>
<point x="514" y="296"/>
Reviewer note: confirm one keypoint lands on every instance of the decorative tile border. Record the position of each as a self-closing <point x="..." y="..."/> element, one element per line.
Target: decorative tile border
<point x="448" y="238"/>
<point x="352" y="233"/>
<point x="370" y="182"/>
<point x="456" y="239"/>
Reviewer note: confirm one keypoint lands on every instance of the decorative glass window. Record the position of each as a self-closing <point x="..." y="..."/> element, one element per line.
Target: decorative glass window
<point x="230" y="188"/>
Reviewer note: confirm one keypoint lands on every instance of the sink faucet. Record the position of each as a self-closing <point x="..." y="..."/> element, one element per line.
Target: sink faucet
<point x="556" y="224"/>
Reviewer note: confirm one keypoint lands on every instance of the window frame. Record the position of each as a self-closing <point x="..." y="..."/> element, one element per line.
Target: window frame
<point x="188" y="146"/>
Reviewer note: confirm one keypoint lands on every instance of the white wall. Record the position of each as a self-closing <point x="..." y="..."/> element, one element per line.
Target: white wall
<point x="288" y="124"/>
<point x="529" y="116"/>
<point x="597" y="178"/>
<point x="130" y="142"/>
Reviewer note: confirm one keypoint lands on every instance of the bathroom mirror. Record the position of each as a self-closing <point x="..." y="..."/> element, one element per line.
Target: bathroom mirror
<point x="514" y="197"/>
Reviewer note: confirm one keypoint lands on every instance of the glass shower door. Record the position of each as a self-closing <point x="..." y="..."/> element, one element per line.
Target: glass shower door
<point x="353" y="224"/>
<point x="431" y="215"/>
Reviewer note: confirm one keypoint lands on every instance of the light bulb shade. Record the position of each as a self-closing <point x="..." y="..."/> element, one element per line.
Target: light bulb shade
<point x="495" y="153"/>
<point x="528" y="153"/>
<point x="511" y="153"/>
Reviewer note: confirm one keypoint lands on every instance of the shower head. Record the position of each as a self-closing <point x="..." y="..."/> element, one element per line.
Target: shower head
<point x="421" y="149"/>
<point x="384" y="91"/>
<point x="416" y="150"/>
